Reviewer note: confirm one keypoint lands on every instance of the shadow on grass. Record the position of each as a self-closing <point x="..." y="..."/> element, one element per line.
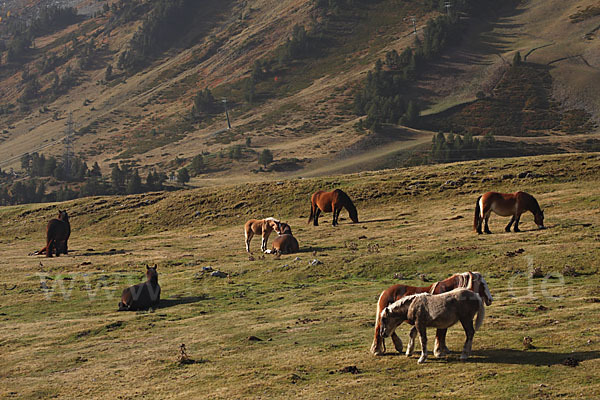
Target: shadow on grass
<point x="318" y="249"/>
<point x="378" y="220"/>
<point x="102" y="253"/>
<point x="166" y="303"/>
<point x="532" y="357"/>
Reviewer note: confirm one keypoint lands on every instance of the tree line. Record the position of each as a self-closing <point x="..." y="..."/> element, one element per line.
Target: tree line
<point x="168" y="21"/>
<point x="49" y="20"/>
<point x="385" y="96"/>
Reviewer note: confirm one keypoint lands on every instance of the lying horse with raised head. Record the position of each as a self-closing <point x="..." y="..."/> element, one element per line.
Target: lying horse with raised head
<point x="440" y="311"/>
<point x="505" y="204"/>
<point x="143" y="295"/>
<point x="328" y="202"/>
<point x="396" y="292"/>
<point x="285" y="243"/>
<point x="58" y="231"/>
<point x="262" y="227"/>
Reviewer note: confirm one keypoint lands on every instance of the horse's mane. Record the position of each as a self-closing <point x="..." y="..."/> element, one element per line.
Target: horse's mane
<point x="463" y="282"/>
<point x="271" y="219"/>
<point x="406" y="299"/>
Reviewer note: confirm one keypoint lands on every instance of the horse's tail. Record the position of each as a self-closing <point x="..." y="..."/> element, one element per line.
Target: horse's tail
<point x="312" y="211"/>
<point x="477" y="214"/>
<point x="378" y="346"/>
<point x="480" y="314"/>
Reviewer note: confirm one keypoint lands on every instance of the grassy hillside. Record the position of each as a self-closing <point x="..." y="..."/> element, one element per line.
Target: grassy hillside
<point x="302" y="108"/>
<point x="61" y="336"/>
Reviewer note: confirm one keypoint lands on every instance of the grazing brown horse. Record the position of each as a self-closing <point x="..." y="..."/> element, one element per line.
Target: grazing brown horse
<point x="440" y="311"/>
<point x="262" y="227"/>
<point x="328" y="202"/>
<point x="58" y="231"/>
<point x="396" y="292"/>
<point x="506" y="204"/>
<point x="143" y="295"/>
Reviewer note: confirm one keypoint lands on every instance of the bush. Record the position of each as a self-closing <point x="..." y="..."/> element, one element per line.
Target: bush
<point x="265" y="157"/>
<point x="183" y="176"/>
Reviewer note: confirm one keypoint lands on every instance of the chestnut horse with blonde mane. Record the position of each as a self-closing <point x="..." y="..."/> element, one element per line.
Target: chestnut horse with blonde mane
<point x="396" y="292"/>
<point x="505" y="204"/>
<point x="328" y="202"/>
<point x="262" y="227"/>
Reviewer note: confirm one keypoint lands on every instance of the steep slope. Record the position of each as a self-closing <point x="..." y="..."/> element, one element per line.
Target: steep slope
<point x="301" y="110"/>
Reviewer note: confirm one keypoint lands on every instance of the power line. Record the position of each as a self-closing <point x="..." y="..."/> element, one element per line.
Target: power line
<point x="68" y="145"/>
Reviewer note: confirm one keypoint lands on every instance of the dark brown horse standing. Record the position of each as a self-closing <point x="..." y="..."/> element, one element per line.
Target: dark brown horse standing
<point x="58" y="231"/>
<point x="328" y="202"/>
<point x="143" y="295"/>
<point x="506" y="204"/>
<point x="396" y="292"/>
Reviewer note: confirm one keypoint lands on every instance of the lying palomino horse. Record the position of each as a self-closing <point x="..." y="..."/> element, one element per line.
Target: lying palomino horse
<point x="506" y="204"/>
<point x="328" y="202"/>
<point x="440" y="311"/>
<point x="397" y="292"/>
<point x="143" y="295"/>
<point x="285" y="243"/>
<point x="58" y="231"/>
<point x="262" y="227"/>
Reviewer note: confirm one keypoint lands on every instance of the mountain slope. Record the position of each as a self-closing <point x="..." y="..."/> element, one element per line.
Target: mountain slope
<point x="302" y="110"/>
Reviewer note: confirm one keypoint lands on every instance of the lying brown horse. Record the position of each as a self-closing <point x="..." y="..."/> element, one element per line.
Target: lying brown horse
<point x="506" y="204"/>
<point x="58" y="231"/>
<point x="328" y="202"/>
<point x="285" y="244"/>
<point x="396" y="292"/>
<point x="262" y="227"/>
<point x="143" y="295"/>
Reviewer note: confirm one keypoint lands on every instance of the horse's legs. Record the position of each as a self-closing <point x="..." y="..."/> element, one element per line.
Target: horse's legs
<point x="378" y="346"/>
<point x="265" y="238"/>
<point x="467" y="324"/>
<point x="336" y="213"/>
<point x="440" y="349"/>
<point x="423" y="336"/>
<point x="249" y="235"/>
<point x="486" y="228"/>
<point x="49" y="248"/>
<point x="317" y="213"/>
<point x="411" y="341"/>
<point x="507" y="229"/>
<point x="397" y="342"/>
<point x="518" y="217"/>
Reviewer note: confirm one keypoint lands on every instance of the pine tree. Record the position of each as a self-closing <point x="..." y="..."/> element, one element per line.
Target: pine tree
<point x="265" y="157"/>
<point x="183" y="176"/>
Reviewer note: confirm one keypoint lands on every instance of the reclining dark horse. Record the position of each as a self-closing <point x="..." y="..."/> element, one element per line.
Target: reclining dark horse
<point x="328" y="202"/>
<point x="143" y="295"/>
<point x="58" y="231"/>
